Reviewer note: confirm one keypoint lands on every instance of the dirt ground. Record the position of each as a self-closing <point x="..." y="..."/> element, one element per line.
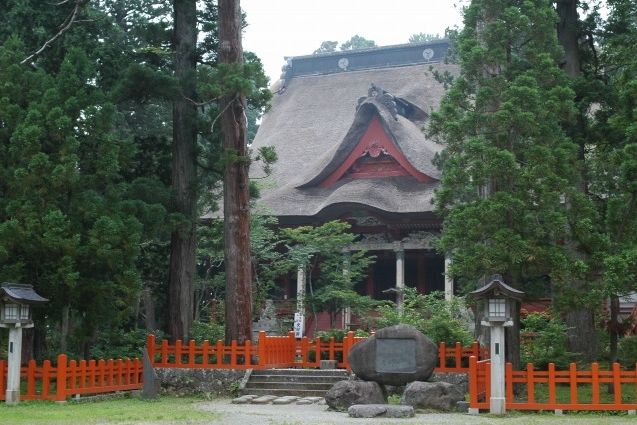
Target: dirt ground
<point x="249" y="414"/>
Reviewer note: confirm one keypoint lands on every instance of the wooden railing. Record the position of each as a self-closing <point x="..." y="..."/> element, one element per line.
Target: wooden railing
<point x="551" y="389"/>
<point x="83" y="377"/>
<point x="283" y="351"/>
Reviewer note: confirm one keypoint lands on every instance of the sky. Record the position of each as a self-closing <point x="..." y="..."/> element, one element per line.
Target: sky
<point x="279" y="28"/>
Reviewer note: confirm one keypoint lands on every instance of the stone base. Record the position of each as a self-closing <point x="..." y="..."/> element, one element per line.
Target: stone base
<point x="12" y="396"/>
<point x="380" y="410"/>
<point x="497" y="405"/>
<point x="473" y="411"/>
<point x="327" y="364"/>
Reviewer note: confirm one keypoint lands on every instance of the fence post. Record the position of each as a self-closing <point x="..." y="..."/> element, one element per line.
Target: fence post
<point x="262" y="349"/>
<point x="292" y="348"/>
<point x="458" y="356"/>
<point x="508" y="382"/>
<point x="3" y="376"/>
<point x="247" y="356"/>
<point x="473" y="381"/>
<point x="475" y="349"/>
<point x="305" y="351"/>
<point x="191" y="353"/>
<point x="164" y="353"/>
<point x="617" y="386"/>
<point x="178" y="353"/>
<point x="150" y="348"/>
<point x="442" y="355"/>
<point x="530" y="385"/>
<point x="60" y="379"/>
<point x="30" y="379"/>
<point x="552" y="383"/>
<point x="205" y="353"/>
<point x="348" y="343"/>
<point x="46" y="379"/>
<point x="572" y="374"/>
<point x="595" y="382"/>
<point x="220" y="349"/>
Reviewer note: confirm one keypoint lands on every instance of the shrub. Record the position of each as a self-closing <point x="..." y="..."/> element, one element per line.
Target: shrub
<point x="548" y="342"/>
<point x="441" y="320"/>
<point x="121" y="344"/>
<point x="201" y="331"/>
<point x="627" y="351"/>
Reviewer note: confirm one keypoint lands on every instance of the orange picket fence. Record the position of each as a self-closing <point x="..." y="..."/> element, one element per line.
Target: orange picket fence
<point x="552" y="389"/>
<point x="79" y="378"/>
<point x="282" y="352"/>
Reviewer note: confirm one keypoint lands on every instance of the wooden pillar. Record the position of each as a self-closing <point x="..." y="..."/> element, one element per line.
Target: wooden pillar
<point x="422" y="269"/>
<point x="400" y="278"/>
<point x="369" y="283"/>
<point x="300" y="290"/>
<point x="448" y="278"/>
<point x="347" y="312"/>
<point x="286" y="287"/>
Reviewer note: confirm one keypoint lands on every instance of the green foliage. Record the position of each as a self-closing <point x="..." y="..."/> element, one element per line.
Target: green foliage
<point x="338" y="334"/>
<point x="121" y="344"/>
<point x="326" y="47"/>
<point x="423" y="37"/>
<point x="326" y="247"/>
<point x="354" y="43"/>
<point x="546" y="341"/>
<point x="211" y="331"/>
<point x="358" y="42"/>
<point x="628" y="351"/>
<point x="440" y="320"/>
<point x="509" y="193"/>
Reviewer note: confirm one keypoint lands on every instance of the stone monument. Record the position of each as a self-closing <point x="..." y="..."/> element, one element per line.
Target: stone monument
<point x="395" y="355"/>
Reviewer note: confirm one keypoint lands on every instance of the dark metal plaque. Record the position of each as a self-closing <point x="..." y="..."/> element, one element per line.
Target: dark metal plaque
<point x="395" y="355"/>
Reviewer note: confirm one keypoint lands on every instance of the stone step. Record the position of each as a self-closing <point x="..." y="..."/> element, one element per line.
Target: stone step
<point x="318" y="386"/>
<point x="297" y="378"/>
<point x="283" y="392"/>
<point x="301" y="372"/>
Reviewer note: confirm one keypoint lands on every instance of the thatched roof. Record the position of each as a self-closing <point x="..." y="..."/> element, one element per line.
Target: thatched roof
<point x="318" y="117"/>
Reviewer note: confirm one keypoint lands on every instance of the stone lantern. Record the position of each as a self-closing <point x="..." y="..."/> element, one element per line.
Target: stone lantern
<point x="500" y="304"/>
<point x="15" y="313"/>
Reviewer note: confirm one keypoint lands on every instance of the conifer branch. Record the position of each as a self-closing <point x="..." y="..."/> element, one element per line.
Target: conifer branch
<point x="66" y="25"/>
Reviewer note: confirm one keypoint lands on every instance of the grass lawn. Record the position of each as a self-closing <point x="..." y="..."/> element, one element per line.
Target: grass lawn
<point x="115" y="411"/>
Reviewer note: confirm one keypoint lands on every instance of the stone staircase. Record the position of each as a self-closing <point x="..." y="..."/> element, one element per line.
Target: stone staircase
<point x="292" y="382"/>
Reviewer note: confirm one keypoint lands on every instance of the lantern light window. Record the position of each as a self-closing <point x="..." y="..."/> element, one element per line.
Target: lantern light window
<point x="24" y="312"/>
<point x="497" y="307"/>
<point x="11" y="311"/>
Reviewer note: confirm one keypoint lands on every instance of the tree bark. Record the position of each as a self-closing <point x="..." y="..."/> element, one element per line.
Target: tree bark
<point x="567" y="35"/>
<point x="184" y="172"/>
<point x="148" y="306"/>
<point x="64" y="328"/>
<point x="582" y="338"/>
<point x="235" y="184"/>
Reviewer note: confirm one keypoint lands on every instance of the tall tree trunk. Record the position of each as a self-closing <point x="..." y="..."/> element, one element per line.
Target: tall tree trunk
<point x="579" y="319"/>
<point x="148" y="307"/>
<point x="235" y="184"/>
<point x="184" y="172"/>
<point x="64" y="328"/>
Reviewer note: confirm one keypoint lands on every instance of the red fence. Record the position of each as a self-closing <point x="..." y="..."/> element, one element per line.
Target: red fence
<point x="283" y="351"/>
<point x="551" y="389"/>
<point x="83" y="377"/>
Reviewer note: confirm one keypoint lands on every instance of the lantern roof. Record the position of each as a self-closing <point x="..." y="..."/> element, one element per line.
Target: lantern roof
<point x="20" y="293"/>
<point x="496" y="287"/>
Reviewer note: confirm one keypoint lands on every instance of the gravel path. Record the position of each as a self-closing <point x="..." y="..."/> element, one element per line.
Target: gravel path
<point x="250" y="414"/>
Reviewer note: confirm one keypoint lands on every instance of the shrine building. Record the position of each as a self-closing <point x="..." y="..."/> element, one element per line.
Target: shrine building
<point x="348" y="129"/>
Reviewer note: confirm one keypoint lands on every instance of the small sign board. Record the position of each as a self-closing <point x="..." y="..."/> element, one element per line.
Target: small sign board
<point x="299" y="325"/>
<point x="395" y="355"/>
